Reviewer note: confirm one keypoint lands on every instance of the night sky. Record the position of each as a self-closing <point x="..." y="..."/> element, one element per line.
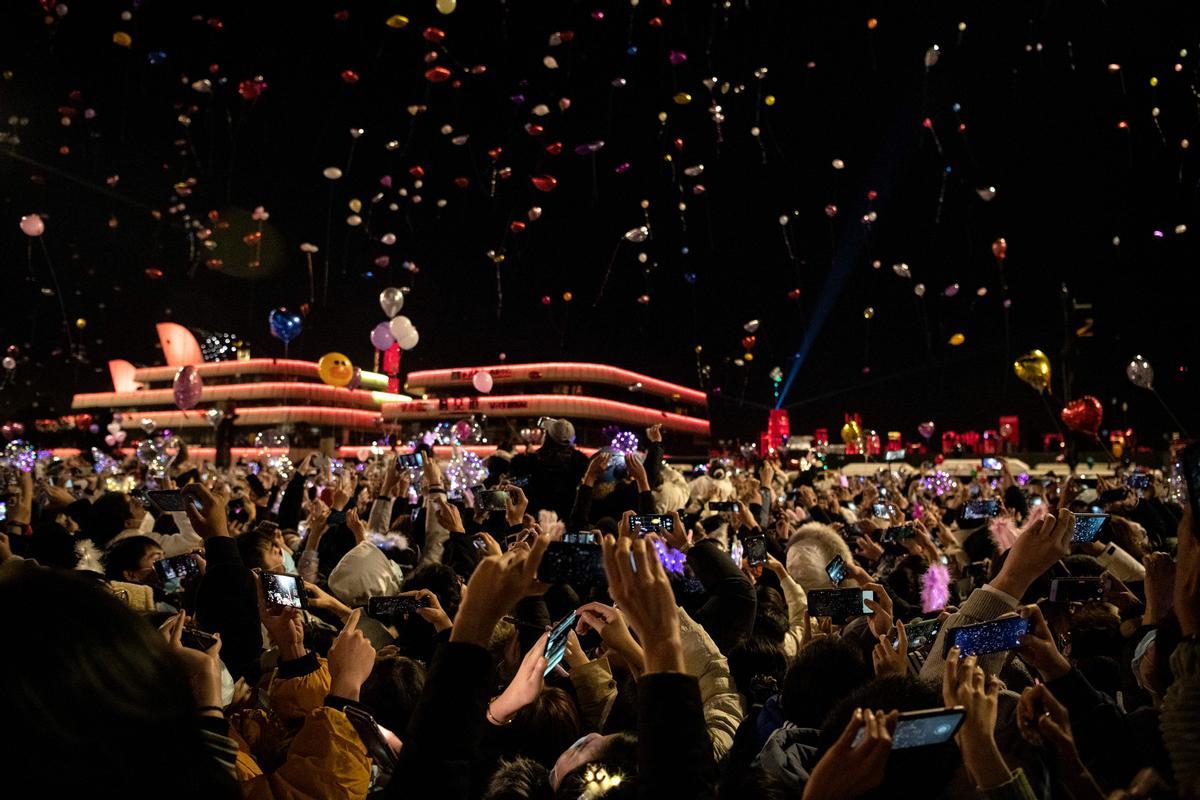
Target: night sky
<point x="1049" y="103"/>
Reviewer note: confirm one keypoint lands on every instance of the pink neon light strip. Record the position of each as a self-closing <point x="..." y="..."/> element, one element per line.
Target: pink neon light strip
<point x="345" y="451"/>
<point x="554" y="372"/>
<point x="264" y="415"/>
<point x="254" y="366"/>
<point x="526" y="405"/>
<point x="275" y="390"/>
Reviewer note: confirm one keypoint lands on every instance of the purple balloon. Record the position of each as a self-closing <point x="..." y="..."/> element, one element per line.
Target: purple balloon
<point x="381" y="336"/>
<point x="355" y="379"/>
<point x="188" y="387"/>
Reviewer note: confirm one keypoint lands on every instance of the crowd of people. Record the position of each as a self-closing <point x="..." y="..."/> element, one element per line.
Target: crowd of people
<point x="599" y="627"/>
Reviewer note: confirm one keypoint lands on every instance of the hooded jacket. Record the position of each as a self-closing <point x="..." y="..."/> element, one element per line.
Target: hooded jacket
<point x="808" y="551"/>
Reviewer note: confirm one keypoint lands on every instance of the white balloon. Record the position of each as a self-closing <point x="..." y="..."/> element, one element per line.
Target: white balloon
<point x="391" y="300"/>
<point x="409" y="340"/>
<point x="400" y="326"/>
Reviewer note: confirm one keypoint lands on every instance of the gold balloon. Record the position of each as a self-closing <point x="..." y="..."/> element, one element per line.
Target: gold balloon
<point x="1034" y="369"/>
<point x="851" y="432"/>
<point x="335" y="369"/>
<point x="446" y="6"/>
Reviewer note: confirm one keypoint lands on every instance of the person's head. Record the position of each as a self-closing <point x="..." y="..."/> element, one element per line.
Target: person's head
<point x="392" y="691"/>
<point x="559" y="431"/>
<point x="771" y="614"/>
<point x="52" y="546"/>
<point x="132" y="560"/>
<point x="758" y="665"/>
<point x="823" y="673"/>
<point x="595" y="758"/>
<point x="757" y="783"/>
<point x="519" y="779"/>
<point x="904" y="582"/>
<point x="1129" y="536"/>
<point x="88" y="677"/>
<point x="259" y="548"/>
<point x="935" y="764"/>
<point x="545" y="727"/>
<point x="1081" y="566"/>
<point x="439" y="579"/>
<point x="112" y="513"/>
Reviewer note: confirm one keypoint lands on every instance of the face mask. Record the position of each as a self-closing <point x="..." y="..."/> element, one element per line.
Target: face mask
<point x="146" y="525"/>
<point x="289" y="563"/>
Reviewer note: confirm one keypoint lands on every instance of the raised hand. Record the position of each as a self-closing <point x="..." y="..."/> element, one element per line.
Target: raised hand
<point x="525" y="686"/>
<point x="596" y="467"/>
<point x="639" y="585"/>
<point x="637" y="471"/>
<point x="654" y="432"/>
<point x="610" y="623"/>
<point x="1034" y="552"/>
<point x="447" y="514"/>
<point x="285" y="626"/>
<point x="205" y="511"/>
<point x="497" y="583"/>
<point x="1038" y="648"/>
<point x="888" y="659"/>
<point x="351" y="659"/>
<point x="848" y="770"/>
<point x="881" y="619"/>
<point x="515" y="504"/>
<point x="967" y="685"/>
<point x="203" y="668"/>
<point x="356" y="526"/>
<point x="432" y="611"/>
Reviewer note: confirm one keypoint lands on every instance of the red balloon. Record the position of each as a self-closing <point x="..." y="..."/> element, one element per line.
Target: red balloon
<point x="544" y="183"/>
<point x="748" y="342"/>
<point x="437" y="74"/>
<point x="1000" y="249"/>
<point x="1083" y="415"/>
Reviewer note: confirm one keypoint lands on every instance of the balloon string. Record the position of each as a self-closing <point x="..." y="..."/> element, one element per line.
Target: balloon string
<point x="1053" y="418"/>
<point x="1112" y="458"/>
<point x="58" y="295"/>
<point x="1170" y="413"/>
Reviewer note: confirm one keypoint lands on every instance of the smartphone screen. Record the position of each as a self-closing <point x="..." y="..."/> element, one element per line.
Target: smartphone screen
<point x="493" y="499"/>
<point x="1138" y="480"/>
<point x="641" y="524"/>
<point x="988" y="637"/>
<point x="921" y="634"/>
<point x="197" y="639"/>
<point x="1087" y="527"/>
<point x="556" y="643"/>
<point x="579" y="537"/>
<point x="755" y="550"/>
<point x="580" y="565"/>
<point x="410" y="460"/>
<point x="836" y="570"/>
<point x="837" y="604"/>
<point x="478" y="542"/>
<point x="177" y="572"/>
<point x="868" y="594"/>
<point x="723" y="505"/>
<point x="521" y="482"/>
<point x="992" y="463"/>
<point x="925" y="728"/>
<point x="335" y="518"/>
<point x="1079" y="590"/>
<point x="3" y="511"/>
<point x="283" y="591"/>
<point x="166" y="500"/>
<point x="981" y="509"/>
<point x="881" y="511"/>
<point x="394" y="607"/>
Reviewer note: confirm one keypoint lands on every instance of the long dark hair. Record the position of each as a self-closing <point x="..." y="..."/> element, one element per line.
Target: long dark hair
<point x="96" y="703"/>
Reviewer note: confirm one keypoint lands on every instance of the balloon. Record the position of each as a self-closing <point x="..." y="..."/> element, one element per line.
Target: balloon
<point x="381" y="336"/>
<point x="1034" y="369"/>
<point x="147" y="425"/>
<point x="409" y="340"/>
<point x="544" y="183"/>
<point x="748" y="342"/>
<point x="285" y="325"/>
<point x="32" y="225"/>
<point x="447" y="6"/>
<point x="1083" y="415"/>
<point x="400" y="326"/>
<point x="214" y="416"/>
<point x="1140" y="373"/>
<point x="482" y="381"/>
<point x="851" y="432"/>
<point x="926" y="429"/>
<point x="9" y="363"/>
<point x="1000" y="249"/>
<point x="391" y="300"/>
<point x="335" y="369"/>
<point x="355" y="379"/>
<point x="187" y="387"/>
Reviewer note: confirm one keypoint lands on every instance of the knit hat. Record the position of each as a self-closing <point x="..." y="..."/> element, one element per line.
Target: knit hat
<point x="560" y="430"/>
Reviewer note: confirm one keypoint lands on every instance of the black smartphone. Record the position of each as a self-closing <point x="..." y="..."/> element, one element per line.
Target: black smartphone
<point x="236" y="510"/>
<point x="921" y="634"/>
<point x="1139" y="480"/>
<point x="521" y="482"/>
<point x="580" y="565"/>
<point x="995" y="636"/>
<point x="929" y="727"/>
<point x="641" y="524"/>
<point x="197" y="639"/>
<point x="556" y="643"/>
<point x="177" y="572"/>
<point x="394" y="607"/>
<point x="836" y="570"/>
<point x="410" y="460"/>
<point x="1111" y="496"/>
<point x="166" y="500"/>
<point x="579" y="537"/>
<point x="1078" y="590"/>
<point x="723" y="505"/>
<point x="184" y="478"/>
<point x="981" y="509"/>
<point x="1190" y="464"/>
<point x="335" y="518"/>
<point x="881" y="511"/>
<point x="479" y="543"/>
<point x="1087" y="527"/>
<point x="1088" y="482"/>
<point x="839" y="605"/>
<point x="492" y="499"/>
<point x="283" y="591"/>
<point x="894" y="535"/>
<point x="755" y="551"/>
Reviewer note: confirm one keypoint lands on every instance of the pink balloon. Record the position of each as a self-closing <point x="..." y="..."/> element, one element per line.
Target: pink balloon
<point x="110" y="440"/>
<point x="926" y="429"/>
<point x="483" y="382"/>
<point x="188" y="387"/>
<point x="32" y="225"/>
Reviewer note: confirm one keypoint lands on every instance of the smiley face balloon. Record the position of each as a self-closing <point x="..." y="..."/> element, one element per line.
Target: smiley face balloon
<point x="335" y="369"/>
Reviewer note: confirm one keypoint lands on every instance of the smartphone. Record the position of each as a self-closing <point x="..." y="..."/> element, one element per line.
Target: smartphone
<point x="580" y="565"/>
<point x="236" y="510"/>
<point x="995" y="636"/>
<point x="881" y="510"/>
<point x="166" y="500"/>
<point x="836" y="570"/>
<point x="981" y="509"/>
<point x="394" y="607"/>
<point x="1138" y="480"/>
<point x="895" y="534"/>
<point x="921" y="634"/>
<point x="410" y="460"/>
<point x="929" y="727"/>
<point x="184" y="478"/>
<point x="492" y="499"/>
<point x="1078" y="590"/>
<point x="335" y="518"/>
<point x="839" y="605"/>
<point x="556" y="643"/>
<point x="371" y="735"/>
<point x="197" y="639"/>
<point x="868" y="594"/>
<point x="283" y="591"/>
<point x="579" y="537"/>
<point x="978" y="570"/>
<point x="641" y="524"/>
<point x="755" y="550"/>
<point x="177" y="572"/>
<point x="1089" y="482"/>
<point x="479" y="543"/>
<point x="992" y="463"/>
<point x="3" y="511"/>
<point x="1087" y="527"/>
<point x="723" y="505"/>
<point x="1035" y="501"/>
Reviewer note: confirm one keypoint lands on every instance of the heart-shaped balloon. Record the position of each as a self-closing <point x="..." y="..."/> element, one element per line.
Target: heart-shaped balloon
<point x="113" y="427"/>
<point x="119" y="436"/>
<point x="926" y="429"/>
<point x="110" y="440"/>
<point x="1083" y="415"/>
<point x="748" y="342"/>
<point x="851" y="432"/>
<point x="285" y="325"/>
<point x="148" y="425"/>
<point x="7" y="430"/>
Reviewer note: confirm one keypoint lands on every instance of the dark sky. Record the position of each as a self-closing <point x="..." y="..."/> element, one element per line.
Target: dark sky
<point x="1031" y="83"/>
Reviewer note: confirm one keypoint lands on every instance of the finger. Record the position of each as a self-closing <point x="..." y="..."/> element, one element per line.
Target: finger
<point x="625" y="564"/>
<point x="215" y="650"/>
<point x="641" y="560"/>
<point x="977" y="679"/>
<point x="902" y="638"/>
<point x="852" y="728"/>
<point x="538" y="651"/>
<point x="608" y="548"/>
<point x="953" y="664"/>
<point x="352" y="621"/>
<point x="536" y="551"/>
